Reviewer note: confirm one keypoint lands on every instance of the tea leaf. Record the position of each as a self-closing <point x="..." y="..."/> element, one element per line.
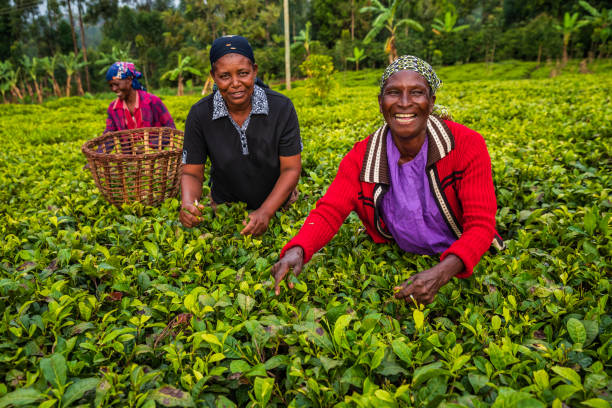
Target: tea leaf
<point x="54" y="369"/>
<point x="596" y="403"/>
<point x="246" y="303"/>
<point x="21" y="397"/>
<point x="426" y="372"/>
<point x="568" y="374"/>
<point x="402" y="350"/>
<point x="263" y="390"/>
<point x="419" y="318"/>
<point x="77" y="389"/>
<point x="168" y="396"/>
<point x="576" y="330"/>
<point x="340" y="327"/>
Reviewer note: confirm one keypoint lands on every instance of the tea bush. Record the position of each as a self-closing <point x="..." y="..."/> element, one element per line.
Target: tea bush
<point x="102" y="306"/>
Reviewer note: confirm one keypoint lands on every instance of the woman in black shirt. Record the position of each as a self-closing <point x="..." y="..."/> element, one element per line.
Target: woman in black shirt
<point x="251" y="135"/>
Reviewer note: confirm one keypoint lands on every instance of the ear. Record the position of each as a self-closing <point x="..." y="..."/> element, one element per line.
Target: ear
<point x="255" y="69"/>
<point x="380" y="102"/>
<point x="432" y="104"/>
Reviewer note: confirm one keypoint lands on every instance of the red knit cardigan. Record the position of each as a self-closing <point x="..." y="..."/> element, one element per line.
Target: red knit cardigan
<point x="459" y="173"/>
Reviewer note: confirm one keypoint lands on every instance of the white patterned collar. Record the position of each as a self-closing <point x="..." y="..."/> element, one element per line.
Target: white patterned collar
<point x="259" y="104"/>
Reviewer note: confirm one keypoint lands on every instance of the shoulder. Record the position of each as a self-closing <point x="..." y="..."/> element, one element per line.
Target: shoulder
<point x="202" y="106"/>
<point x="112" y="106"/>
<point x="147" y="97"/>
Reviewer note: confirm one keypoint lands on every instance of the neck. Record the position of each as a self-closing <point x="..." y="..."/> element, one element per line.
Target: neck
<point x="409" y="147"/>
<point x="131" y="98"/>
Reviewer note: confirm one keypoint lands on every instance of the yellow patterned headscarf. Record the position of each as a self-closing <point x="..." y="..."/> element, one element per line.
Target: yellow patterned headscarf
<point x="412" y="63"/>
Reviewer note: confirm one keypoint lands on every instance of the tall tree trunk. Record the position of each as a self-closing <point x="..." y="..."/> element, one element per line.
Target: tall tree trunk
<point x="16" y="91"/>
<point x="287" y="51"/>
<point x="566" y="39"/>
<point x="207" y="85"/>
<point x="84" y="47"/>
<point x="68" y="84"/>
<point x="56" y="88"/>
<point x="38" y="92"/>
<point x="79" y="85"/>
<point x="391" y="49"/>
<point x="74" y="41"/>
<point x="50" y="17"/>
<point x="180" y="85"/>
<point x="28" y="87"/>
<point x="539" y="55"/>
<point x="353" y="21"/>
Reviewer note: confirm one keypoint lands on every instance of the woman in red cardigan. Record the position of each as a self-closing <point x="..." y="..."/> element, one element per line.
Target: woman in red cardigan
<point x="420" y="180"/>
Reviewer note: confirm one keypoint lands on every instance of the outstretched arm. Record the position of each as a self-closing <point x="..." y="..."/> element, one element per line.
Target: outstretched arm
<point x="290" y="168"/>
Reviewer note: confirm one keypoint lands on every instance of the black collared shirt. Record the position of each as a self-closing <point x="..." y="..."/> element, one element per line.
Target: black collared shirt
<point x="245" y="162"/>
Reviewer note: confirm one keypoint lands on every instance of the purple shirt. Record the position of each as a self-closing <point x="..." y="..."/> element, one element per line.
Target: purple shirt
<point x="409" y="209"/>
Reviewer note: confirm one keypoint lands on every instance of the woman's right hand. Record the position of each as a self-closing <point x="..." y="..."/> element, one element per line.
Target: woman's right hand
<point x="190" y="214"/>
<point x="294" y="260"/>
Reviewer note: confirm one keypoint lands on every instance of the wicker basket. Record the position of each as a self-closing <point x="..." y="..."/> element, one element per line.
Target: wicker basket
<point x="136" y="165"/>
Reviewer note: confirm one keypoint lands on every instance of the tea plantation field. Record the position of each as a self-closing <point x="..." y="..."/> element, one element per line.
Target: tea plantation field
<point x="102" y="306"/>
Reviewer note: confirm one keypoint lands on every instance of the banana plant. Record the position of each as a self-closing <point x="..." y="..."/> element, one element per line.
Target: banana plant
<point x="571" y="25"/>
<point x="48" y="65"/>
<point x="358" y="55"/>
<point x="118" y="53"/>
<point x="72" y="63"/>
<point x="448" y="25"/>
<point x="32" y="67"/>
<point x="386" y="18"/>
<point x="178" y="73"/>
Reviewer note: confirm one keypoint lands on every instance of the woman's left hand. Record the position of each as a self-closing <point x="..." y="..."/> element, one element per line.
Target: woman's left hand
<point x="423" y="286"/>
<point x="257" y="223"/>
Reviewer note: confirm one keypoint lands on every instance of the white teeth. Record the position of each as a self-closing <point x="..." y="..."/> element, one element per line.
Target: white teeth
<point x="405" y="115"/>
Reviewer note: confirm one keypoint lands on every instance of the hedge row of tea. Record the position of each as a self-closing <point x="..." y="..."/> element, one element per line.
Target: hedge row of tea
<point x="102" y="306"/>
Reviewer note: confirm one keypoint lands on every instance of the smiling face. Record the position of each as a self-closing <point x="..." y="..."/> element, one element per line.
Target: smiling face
<point x="235" y="75"/>
<point x="121" y="87"/>
<point x="406" y="103"/>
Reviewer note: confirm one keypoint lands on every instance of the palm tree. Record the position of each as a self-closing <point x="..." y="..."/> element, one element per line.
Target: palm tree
<point x="602" y="24"/>
<point x="48" y="65"/>
<point x="571" y="24"/>
<point x="447" y="26"/>
<point x="386" y="18"/>
<point x="72" y="64"/>
<point x="358" y="55"/>
<point x="179" y="72"/>
<point x="31" y="67"/>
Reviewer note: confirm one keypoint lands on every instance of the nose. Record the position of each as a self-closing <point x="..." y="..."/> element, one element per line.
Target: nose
<point x="404" y="99"/>
<point x="235" y="81"/>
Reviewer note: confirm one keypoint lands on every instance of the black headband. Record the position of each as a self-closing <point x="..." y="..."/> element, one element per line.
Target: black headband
<point x="230" y="44"/>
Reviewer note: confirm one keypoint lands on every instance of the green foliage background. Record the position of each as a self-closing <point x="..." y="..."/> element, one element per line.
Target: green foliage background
<point x="124" y="307"/>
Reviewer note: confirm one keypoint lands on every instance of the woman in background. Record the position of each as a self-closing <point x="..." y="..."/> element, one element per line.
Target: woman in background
<point x="134" y="107"/>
